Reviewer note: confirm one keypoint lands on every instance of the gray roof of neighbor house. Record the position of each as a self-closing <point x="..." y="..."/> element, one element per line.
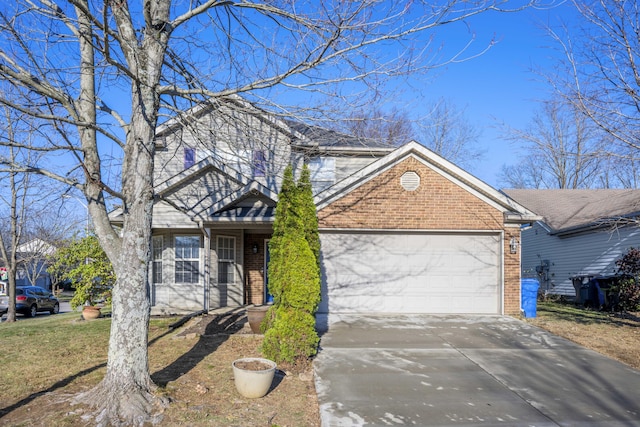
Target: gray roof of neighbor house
<point x="566" y="211"/>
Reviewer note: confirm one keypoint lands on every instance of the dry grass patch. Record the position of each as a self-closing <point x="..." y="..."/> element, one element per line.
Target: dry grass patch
<point x="612" y="334"/>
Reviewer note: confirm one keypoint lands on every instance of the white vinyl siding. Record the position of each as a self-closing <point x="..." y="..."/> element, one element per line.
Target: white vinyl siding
<point x="592" y="253"/>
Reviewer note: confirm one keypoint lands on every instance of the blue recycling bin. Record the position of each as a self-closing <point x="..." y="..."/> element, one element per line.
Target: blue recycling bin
<point x="529" y="296"/>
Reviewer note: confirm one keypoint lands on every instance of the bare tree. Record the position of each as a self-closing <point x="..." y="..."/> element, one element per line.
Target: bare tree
<point x="14" y="202"/>
<point x="601" y="70"/>
<point x="392" y="128"/>
<point x="104" y="72"/>
<point x="446" y="131"/>
<point x="562" y="149"/>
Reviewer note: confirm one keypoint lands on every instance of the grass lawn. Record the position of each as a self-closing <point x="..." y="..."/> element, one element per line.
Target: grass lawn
<point x="48" y="359"/>
<point x="614" y="335"/>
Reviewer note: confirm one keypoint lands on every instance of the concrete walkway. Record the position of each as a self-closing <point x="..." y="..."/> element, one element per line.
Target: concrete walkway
<point x="467" y="371"/>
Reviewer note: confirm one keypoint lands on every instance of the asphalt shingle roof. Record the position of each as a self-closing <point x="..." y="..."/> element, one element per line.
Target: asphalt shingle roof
<point x="568" y="209"/>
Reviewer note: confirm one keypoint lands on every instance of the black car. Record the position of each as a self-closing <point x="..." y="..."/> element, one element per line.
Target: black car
<point x="30" y="300"/>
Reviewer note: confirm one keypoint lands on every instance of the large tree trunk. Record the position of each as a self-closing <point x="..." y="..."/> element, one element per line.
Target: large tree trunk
<point x="126" y="394"/>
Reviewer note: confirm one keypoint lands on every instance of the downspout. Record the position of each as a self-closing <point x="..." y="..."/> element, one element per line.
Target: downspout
<point x="206" y="261"/>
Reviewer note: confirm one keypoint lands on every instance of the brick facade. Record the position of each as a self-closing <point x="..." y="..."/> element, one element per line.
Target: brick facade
<point x="437" y="204"/>
<point x="254" y="268"/>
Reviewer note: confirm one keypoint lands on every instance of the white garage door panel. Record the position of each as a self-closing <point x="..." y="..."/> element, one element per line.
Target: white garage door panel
<point x="414" y="273"/>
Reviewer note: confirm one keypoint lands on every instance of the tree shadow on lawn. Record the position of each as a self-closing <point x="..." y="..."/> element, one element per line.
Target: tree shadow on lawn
<point x="213" y="333"/>
<point x="57" y="385"/>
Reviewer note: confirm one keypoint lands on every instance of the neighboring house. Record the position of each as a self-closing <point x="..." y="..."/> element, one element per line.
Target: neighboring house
<point x="581" y="235"/>
<point x="32" y="264"/>
<point x="402" y="230"/>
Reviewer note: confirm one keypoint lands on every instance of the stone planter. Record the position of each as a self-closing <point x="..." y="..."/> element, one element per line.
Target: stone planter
<point x="255" y="315"/>
<point x="253" y="376"/>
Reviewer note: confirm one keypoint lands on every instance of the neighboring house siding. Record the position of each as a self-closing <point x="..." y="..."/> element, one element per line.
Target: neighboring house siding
<point x="592" y="253"/>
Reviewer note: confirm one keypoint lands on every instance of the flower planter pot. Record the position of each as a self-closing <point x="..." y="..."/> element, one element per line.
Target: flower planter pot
<point x="255" y="315"/>
<point x="253" y="376"/>
<point x="90" y="312"/>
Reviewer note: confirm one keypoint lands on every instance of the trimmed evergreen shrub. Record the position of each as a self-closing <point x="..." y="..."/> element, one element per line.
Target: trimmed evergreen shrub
<point x="294" y="275"/>
<point x="308" y="213"/>
<point x="292" y="337"/>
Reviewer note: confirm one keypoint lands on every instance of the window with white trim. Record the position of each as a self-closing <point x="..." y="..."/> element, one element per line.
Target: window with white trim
<point x="226" y="259"/>
<point x="322" y="171"/>
<point x="187" y="262"/>
<point x="157" y="244"/>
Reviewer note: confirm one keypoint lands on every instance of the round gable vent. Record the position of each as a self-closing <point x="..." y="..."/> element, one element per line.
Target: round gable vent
<point x="410" y="181"/>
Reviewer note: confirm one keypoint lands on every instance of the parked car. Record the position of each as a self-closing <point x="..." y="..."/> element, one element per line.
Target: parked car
<point x="4" y="304"/>
<point x="30" y="300"/>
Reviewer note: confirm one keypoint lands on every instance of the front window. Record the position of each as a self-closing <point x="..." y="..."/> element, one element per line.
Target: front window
<point x="156" y="261"/>
<point x="187" y="259"/>
<point x="226" y="259"/>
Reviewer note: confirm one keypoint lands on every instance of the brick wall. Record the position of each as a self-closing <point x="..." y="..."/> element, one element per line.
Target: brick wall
<point x="511" y="273"/>
<point x="382" y="203"/>
<point x="254" y="268"/>
<point x="438" y="204"/>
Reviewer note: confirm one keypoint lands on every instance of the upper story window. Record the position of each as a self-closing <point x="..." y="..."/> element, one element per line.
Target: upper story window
<point x="259" y="163"/>
<point x="187" y="263"/>
<point x="323" y="172"/>
<point x="189" y="157"/>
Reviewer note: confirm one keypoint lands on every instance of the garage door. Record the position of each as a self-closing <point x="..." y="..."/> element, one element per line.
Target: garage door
<point x="410" y="273"/>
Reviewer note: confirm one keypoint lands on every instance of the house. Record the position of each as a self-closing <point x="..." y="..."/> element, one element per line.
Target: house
<point x="402" y="229"/>
<point x="32" y="257"/>
<point x="580" y="236"/>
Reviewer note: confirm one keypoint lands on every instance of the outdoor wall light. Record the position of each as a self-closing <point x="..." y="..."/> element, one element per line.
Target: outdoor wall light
<point x="513" y="245"/>
<point x="254" y="248"/>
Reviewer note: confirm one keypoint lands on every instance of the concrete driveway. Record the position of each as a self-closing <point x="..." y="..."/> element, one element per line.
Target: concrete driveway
<point x="466" y="371"/>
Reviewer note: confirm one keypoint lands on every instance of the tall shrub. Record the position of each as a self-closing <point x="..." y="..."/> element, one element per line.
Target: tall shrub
<point x="628" y="289"/>
<point x="294" y="278"/>
<point x="86" y="265"/>
<point x="308" y="212"/>
<point x="286" y="199"/>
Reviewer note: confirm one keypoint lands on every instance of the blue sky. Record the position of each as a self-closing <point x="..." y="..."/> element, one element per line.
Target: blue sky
<point x="498" y="86"/>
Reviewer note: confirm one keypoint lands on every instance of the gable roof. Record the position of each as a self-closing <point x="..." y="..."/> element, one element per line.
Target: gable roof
<point x="569" y="211"/>
<point x="513" y="211"/>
